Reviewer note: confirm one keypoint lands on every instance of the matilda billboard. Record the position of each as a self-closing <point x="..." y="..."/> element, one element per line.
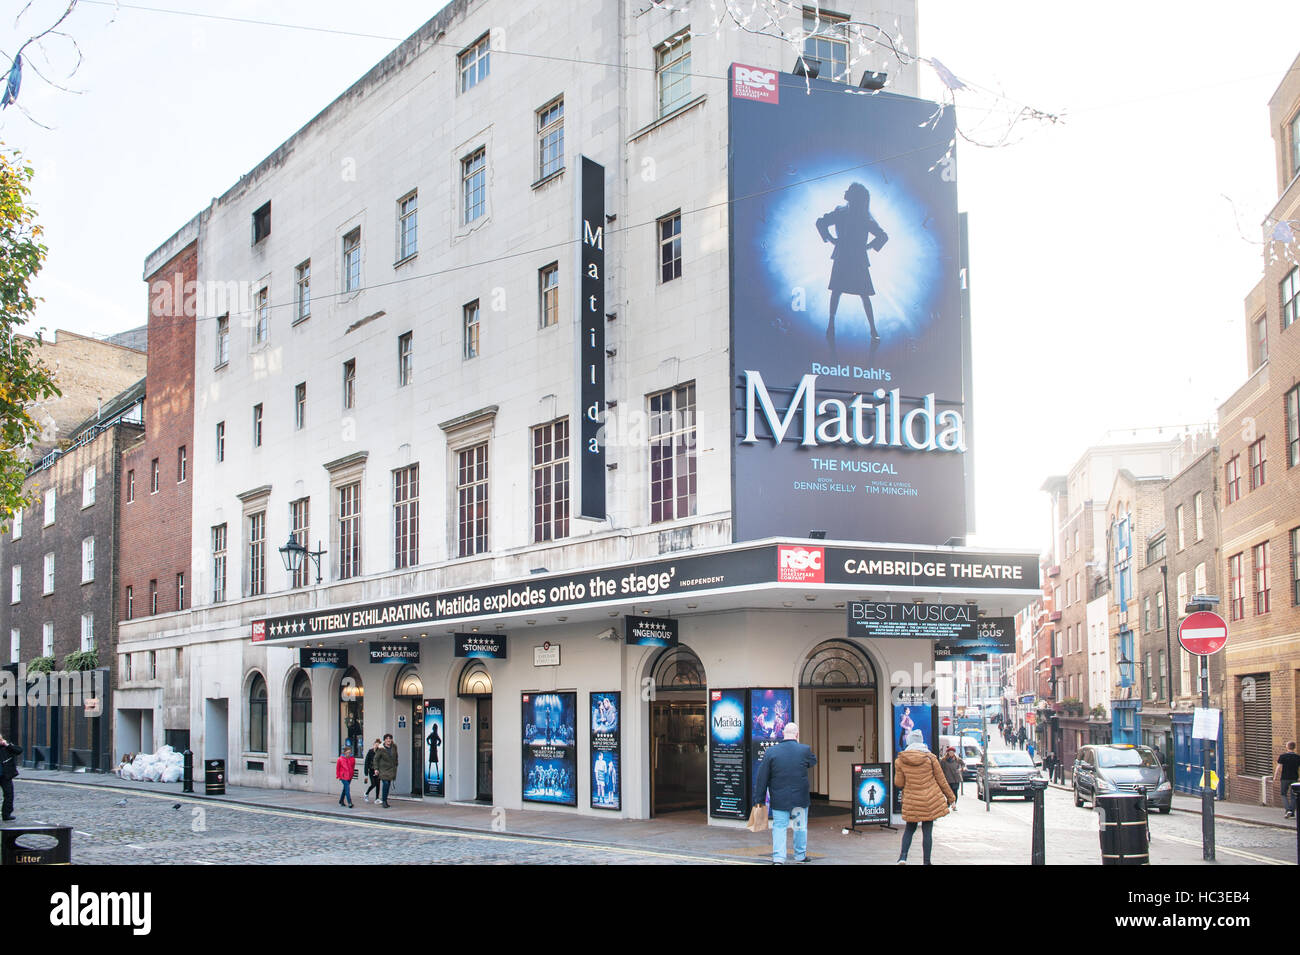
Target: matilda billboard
<point x="849" y="345"/>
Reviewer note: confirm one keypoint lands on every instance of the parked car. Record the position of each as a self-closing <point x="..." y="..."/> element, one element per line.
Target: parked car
<point x="1121" y="767"/>
<point x="1010" y="773"/>
<point x="967" y="748"/>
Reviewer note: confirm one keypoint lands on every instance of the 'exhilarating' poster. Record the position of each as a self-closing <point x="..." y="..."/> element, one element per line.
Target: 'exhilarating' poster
<point x="550" y="763"/>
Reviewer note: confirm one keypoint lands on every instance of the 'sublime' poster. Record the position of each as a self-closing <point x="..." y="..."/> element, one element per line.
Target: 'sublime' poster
<point x="850" y="349"/>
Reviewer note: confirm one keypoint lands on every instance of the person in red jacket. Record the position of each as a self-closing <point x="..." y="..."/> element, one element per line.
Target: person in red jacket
<point x="346" y="766"/>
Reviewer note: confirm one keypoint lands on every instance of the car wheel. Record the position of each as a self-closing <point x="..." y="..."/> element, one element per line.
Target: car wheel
<point x="1029" y="797"/>
<point x="1078" y="803"/>
<point x="1166" y="810"/>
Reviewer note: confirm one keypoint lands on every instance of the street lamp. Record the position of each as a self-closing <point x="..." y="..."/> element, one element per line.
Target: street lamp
<point x="293" y="553"/>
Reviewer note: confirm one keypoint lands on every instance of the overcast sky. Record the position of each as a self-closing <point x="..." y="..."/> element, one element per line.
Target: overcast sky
<point x="1111" y="251"/>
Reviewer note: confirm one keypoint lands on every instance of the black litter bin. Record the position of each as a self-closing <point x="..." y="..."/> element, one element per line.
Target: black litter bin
<point x="1124" y="835"/>
<point x="214" y="777"/>
<point x="36" y="845"/>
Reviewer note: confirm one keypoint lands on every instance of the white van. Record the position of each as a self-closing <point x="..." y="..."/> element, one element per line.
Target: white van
<point x="967" y="748"/>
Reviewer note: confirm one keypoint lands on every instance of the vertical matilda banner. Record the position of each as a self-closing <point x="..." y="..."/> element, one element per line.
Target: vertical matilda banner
<point x="435" y="736"/>
<point x="591" y="340"/>
<point x="848" y="341"/>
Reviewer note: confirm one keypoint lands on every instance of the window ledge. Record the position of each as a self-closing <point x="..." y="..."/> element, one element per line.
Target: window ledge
<point x="548" y="178"/>
<point x="299" y="320"/>
<point x="221" y="367"/>
<point x="400" y="262"/>
<point x="668" y="117"/>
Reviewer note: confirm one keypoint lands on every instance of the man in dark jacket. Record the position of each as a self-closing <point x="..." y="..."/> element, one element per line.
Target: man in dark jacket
<point x="386" y="768"/>
<point x="783" y="772"/>
<point x="9" y="753"/>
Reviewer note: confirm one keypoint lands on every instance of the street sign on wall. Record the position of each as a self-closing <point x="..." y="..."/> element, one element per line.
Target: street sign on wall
<point x="1203" y="633"/>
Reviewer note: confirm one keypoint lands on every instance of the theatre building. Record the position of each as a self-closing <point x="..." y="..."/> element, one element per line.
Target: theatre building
<point x="527" y="429"/>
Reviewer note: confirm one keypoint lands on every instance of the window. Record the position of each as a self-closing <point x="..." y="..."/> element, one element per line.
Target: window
<point x="257" y="714"/>
<point x="1295" y="145"/>
<point x="51" y="498"/>
<point x="262" y="326"/>
<point x="1260" y="555"/>
<point x="47" y="639"/>
<point x="218" y="564"/>
<point x="405" y="360"/>
<point x="349" y="384"/>
<point x="474" y="62"/>
<point x="349" y="531"/>
<point x="16" y="525"/>
<point x="257" y="553"/>
<point x="1178" y="524"/>
<point x="672" y="453"/>
<point x="130" y="602"/>
<point x="15" y="646"/>
<point x="407" y="222"/>
<point x="300" y="406"/>
<point x="182" y="464"/>
<point x="223" y="341"/>
<point x="87" y="631"/>
<point x="1198" y="514"/>
<point x="1261" y="340"/>
<point x="261" y="223"/>
<point x="670" y="247"/>
<point x="826" y="38"/>
<point x="302" y="291"/>
<point x="551" y="481"/>
<point x="257" y="425"/>
<point x="1180" y="594"/>
<point x="1198" y="579"/>
<point x="49" y="573"/>
<point x="673" y="71"/>
<point x="1290" y="297"/>
<point x="155" y="479"/>
<point x="88" y="560"/>
<point x="88" y="487"/>
<point x="16" y="584"/>
<point x="471" y="323"/>
<point x="548" y="295"/>
<point x="1163" y="669"/>
<point x="300" y="715"/>
<point x="153" y="597"/>
<point x="352" y="260"/>
<point x="1293" y="427"/>
<point x="406" y="516"/>
<point x="1151" y="678"/>
<point x="300" y="529"/>
<point x="1258" y="457"/>
<point x="473" y="176"/>
<point x="127" y="670"/>
<point x="1256" y="695"/>
<point x="153" y="664"/>
<point x="1232" y="478"/>
<point x="472" y="500"/>
<point x="1146" y="613"/>
<point x="1160" y="610"/>
<point x="1295" y="566"/>
<point x="180" y="591"/>
<point x="1156" y="550"/>
<point x="550" y="138"/>
<point x="1069" y="591"/>
<point x="1237" y="601"/>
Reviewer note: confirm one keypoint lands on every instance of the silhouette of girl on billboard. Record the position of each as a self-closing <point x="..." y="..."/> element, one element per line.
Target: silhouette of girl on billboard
<point x="853" y="236"/>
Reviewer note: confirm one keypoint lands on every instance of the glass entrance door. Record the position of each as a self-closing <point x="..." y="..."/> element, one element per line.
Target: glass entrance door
<point x="483" y="748"/>
<point x="678" y="755"/>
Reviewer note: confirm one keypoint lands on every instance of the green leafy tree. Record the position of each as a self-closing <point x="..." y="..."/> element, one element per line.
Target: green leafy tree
<point x="24" y="379"/>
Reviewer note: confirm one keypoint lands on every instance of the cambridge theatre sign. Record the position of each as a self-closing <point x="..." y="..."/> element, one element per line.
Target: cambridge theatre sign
<point x="765" y="565"/>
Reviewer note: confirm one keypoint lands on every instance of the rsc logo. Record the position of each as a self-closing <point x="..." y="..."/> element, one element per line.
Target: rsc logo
<point x="802" y="565"/>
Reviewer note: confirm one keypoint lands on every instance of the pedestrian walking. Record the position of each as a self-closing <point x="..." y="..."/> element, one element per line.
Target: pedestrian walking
<point x="368" y="770"/>
<point x="9" y="753"/>
<point x="1286" y="772"/>
<point x="953" y="767"/>
<point x="1021" y="736"/>
<point x="343" y="770"/>
<point x="1047" y="767"/>
<point x="386" y="768"/>
<point x="1029" y="748"/>
<point x="926" y="794"/>
<point x="783" y="774"/>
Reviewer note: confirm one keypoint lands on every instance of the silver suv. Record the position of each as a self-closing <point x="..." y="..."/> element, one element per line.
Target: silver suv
<point x="1010" y="773"/>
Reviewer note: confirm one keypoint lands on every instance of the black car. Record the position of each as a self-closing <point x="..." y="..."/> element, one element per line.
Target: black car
<point x="1119" y="768"/>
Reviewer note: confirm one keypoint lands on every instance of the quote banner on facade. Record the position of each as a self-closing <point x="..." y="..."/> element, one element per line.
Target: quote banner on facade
<point x="848" y="341"/>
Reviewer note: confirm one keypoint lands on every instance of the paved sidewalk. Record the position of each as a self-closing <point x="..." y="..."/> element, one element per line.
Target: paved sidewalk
<point x="1236" y="811"/>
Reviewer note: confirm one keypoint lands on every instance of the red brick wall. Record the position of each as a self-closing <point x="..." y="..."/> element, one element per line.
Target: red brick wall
<point x="156" y="527"/>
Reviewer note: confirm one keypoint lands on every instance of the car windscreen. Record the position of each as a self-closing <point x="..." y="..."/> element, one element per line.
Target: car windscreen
<point x="1016" y="758"/>
<point x="1118" y="758"/>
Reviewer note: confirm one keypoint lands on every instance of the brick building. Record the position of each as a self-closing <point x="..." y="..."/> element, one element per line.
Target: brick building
<point x="157" y="500"/>
<point x="61" y="562"/>
<point x="1259" y="431"/>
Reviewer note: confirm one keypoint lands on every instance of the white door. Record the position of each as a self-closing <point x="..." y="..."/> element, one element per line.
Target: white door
<point x="845" y="739"/>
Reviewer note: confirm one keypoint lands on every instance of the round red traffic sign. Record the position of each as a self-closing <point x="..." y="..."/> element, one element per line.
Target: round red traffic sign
<point x="1203" y="632"/>
<point x="947" y="721"/>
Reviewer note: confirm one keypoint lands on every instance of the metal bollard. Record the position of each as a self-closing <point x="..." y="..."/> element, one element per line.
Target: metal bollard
<point x="1125" y="838"/>
<point x="187" y="773"/>
<point x="1295" y="794"/>
<point x="1038" y="854"/>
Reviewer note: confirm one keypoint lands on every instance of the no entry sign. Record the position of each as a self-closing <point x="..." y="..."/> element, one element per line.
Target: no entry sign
<point x="1203" y="633"/>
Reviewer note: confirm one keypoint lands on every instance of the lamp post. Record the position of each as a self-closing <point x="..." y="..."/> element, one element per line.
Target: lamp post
<point x="293" y="553"/>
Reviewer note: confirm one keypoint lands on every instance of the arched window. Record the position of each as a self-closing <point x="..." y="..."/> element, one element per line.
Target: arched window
<point x="678" y="668"/>
<point x="475" y="680"/>
<point x="257" y="714"/>
<point x="352" y="698"/>
<point x="837" y="663"/>
<point x="408" y="682"/>
<point x="300" y="715"/>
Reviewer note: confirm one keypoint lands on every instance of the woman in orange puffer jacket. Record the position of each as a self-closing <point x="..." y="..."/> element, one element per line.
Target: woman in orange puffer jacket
<point x="926" y="793"/>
